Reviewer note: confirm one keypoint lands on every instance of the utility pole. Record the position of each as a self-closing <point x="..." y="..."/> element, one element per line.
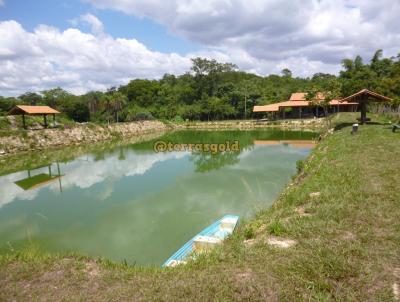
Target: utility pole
<point x="245" y="104"/>
<point x="246" y="92"/>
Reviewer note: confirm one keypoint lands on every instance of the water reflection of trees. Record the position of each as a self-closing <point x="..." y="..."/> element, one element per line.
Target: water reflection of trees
<point x="206" y="162"/>
<point x="100" y="151"/>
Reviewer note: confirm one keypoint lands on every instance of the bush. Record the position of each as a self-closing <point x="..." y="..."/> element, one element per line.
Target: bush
<point x="249" y="232"/>
<point x="300" y="165"/>
<point x="276" y="228"/>
<point x="4" y="123"/>
<point x="143" y="116"/>
<point x="178" y="119"/>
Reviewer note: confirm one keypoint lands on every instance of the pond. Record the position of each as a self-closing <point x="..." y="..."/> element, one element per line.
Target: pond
<point x="136" y="204"/>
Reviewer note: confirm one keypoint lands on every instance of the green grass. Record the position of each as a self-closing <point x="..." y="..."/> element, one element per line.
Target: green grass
<point x="348" y="241"/>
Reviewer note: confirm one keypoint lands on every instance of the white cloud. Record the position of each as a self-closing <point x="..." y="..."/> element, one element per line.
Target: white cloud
<point x="9" y="191"/>
<point x="260" y="36"/>
<point x="1" y="2"/>
<point x="74" y="60"/>
<point x="95" y="24"/>
<point x="264" y="35"/>
<point x="108" y="170"/>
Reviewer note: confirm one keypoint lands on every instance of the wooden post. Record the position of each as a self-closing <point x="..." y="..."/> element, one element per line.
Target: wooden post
<point x="54" y="120"/>
<point x="300" y="112"/>
<point x="45" y="120"/>
<point x="363" y="112"/>
<point x="23" y="121"/>
<point x="363" y="108"/>
<point x="59" y="176"/>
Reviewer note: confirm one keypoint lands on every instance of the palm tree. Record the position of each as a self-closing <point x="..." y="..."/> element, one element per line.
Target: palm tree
<point x="106" y="102"/>
<point x="118" y="100"/>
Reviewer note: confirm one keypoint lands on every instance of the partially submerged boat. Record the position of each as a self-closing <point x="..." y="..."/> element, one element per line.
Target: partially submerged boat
<point x="205" y="240"/>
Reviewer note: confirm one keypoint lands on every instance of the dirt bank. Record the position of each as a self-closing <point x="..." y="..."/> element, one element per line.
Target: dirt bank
<point x="30" y="140"/>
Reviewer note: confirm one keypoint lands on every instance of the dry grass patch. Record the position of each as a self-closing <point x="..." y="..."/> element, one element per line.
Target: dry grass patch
<point x="281" y="242"/>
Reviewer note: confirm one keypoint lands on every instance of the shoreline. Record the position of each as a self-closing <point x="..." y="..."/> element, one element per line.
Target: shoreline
<point x="80" y="134"/>
<point x="20" y="142"/>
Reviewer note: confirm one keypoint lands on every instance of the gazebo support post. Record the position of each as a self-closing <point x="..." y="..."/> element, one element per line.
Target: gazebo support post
<point x="54" y="120"/>
<point x="45" y="120"/>
<point x="23" y="121"/>
<point x="363" y="107"/>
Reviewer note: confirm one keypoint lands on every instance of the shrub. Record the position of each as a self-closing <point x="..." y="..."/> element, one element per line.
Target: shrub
<point x="300" y="165"/>
<point x="4" y="123"/>
<point x="249" y="232"/>
<point x="276" y="228"/>
<point x="178" y="119"/>
<point x="143" y="116"/>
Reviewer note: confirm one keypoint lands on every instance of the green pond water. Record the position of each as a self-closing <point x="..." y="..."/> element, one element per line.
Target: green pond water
<point x="133" y="204"/>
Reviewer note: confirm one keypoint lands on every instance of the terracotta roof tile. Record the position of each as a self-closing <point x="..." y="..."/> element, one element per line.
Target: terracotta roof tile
<point x="301" y="96"/>
<point x="366" y="92"/>
<point x="24" y="109"/>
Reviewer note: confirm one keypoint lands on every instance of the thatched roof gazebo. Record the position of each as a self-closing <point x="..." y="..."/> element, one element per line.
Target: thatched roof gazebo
<point x="33" y="110"/>
<point x="362" y="98"/>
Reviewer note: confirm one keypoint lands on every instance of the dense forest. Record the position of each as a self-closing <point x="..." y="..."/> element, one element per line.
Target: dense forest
<point x="211" y="91"/>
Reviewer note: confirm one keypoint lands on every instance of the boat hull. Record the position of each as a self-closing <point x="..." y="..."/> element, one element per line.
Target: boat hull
<point x="205" y="240"/>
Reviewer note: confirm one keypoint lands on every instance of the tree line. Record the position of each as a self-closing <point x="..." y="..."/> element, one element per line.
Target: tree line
<point x="211" y="91"/>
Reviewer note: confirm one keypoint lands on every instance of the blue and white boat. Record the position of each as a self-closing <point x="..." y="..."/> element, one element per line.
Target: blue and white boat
<point x="205" y="240"/>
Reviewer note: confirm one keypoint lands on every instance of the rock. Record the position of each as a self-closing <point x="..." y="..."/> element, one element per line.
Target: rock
<point x="2" y="152"/>
<point x="396" y="291"/>
<point x="302" y="212"/>
<point x="349" y="236"/>
<point x="262" y="228"/>
<point x="315" y="194"/>
<point x="249" y="242"/>
<point x="281" y="242"/>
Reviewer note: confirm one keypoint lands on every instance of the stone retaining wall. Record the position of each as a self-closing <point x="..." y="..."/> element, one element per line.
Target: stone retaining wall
<point x="253" y="124"/>
<point x="79" y="134"/>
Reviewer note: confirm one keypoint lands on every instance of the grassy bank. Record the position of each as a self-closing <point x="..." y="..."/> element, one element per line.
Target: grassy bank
<point x="342" y="211"/>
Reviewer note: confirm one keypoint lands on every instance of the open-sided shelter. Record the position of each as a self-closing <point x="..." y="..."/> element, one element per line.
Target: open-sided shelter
<point x="362" y="98"/>
<point x="33" y="110"/>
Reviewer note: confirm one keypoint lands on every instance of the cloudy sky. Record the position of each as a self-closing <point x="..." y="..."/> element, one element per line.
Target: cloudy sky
<point x="83" y="45"/>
